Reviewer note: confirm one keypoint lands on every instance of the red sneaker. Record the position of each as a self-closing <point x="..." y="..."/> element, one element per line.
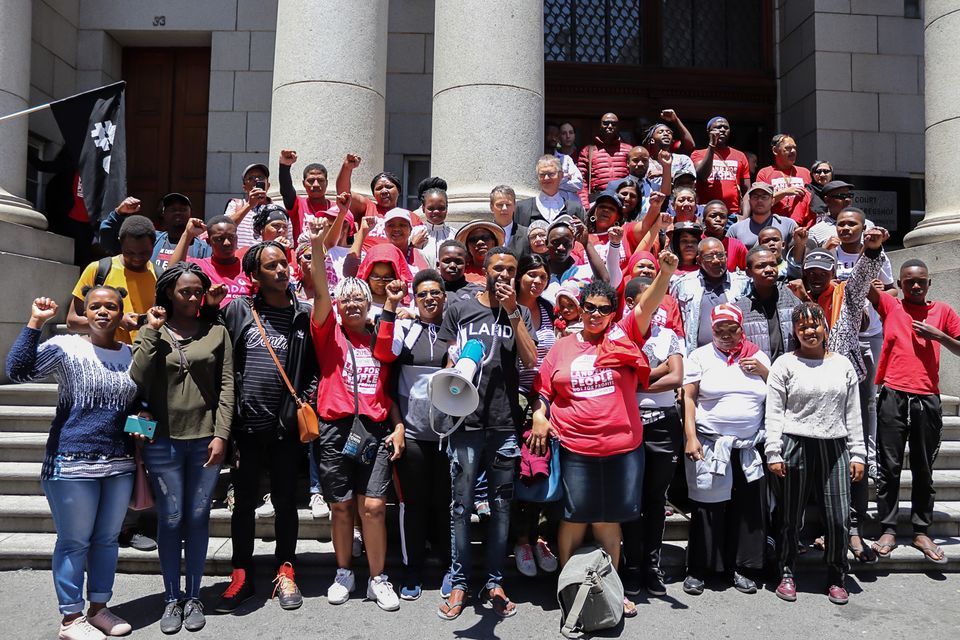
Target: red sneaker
<point x="837" y="594"/>
<point x="239" y="591"/>
<point x="787" y="590"/>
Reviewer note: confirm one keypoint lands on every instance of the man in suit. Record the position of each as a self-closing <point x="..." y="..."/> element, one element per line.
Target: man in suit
<point x="503" y="204"/>
<point x="549" y="204"/>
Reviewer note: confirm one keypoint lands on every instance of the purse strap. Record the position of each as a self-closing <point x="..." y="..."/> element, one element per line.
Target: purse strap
<point x="276" y="361"/>
<point x="353" y="361"/>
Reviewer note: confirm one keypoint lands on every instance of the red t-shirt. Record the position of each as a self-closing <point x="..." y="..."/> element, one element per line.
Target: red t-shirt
<point x="335" y="388"/>
<point x="730" y="169"/>
<point x="231" y="275"/>
<point x="908" y="362"/>
<point x="796" y="177"/>
<point x="736" y="254"/>
<point x="594" y="411"/>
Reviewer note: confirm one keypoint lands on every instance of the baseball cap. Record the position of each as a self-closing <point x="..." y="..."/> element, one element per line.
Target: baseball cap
<point x="172" y="197"/>
<point x="726" y="312"/>
<point x="565" y="220"/>
<point x="610" y="197"/>
<point x="820" y="259"/>
<point x="256" y="165"/>
<point x="397" y="213"/>
<point x="760" y="186"/>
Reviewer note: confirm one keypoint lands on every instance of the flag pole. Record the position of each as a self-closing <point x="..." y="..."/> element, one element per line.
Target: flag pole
<point x="25" y="112"/>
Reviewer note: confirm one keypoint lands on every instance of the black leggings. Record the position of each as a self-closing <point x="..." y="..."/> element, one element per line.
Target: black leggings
<point x="422" y="480"/>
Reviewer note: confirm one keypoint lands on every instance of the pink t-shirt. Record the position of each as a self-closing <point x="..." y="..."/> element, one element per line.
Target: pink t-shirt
<point x="302" y="211"/>
<point x="594" y="410"/>
<point x="796" y="177"/>
<point x="232" y="275"/>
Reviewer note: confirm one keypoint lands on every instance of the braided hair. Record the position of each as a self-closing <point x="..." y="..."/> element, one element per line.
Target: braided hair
<point x="251" y="259"/>
<point x="171" y="276"/>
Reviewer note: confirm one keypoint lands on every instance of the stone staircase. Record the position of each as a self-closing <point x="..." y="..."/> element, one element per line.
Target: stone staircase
<point x="27" y="534"/>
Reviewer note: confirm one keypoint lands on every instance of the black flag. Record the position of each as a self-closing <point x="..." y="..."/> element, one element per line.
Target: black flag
<point x="92" y="126"/>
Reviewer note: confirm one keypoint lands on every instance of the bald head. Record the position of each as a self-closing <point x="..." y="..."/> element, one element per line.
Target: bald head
<point x="609" y="127"/>
<point x="709" y="244"/>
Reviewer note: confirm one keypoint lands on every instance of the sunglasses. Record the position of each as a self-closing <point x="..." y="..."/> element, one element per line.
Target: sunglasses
<point x="486" y="237"/>
<point x="381" y="278"/>
<point x="432" y="293"/>
<point x="842" y="196"/>
<point x="824" y="171"/>
<point x="603" y="309"/>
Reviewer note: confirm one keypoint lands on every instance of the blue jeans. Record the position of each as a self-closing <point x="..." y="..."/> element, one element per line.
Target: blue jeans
<point x="182" y="488"/>
<point x="314" y="470"/>
<point x="498" y="452"/>
<point x="88" y="514"/>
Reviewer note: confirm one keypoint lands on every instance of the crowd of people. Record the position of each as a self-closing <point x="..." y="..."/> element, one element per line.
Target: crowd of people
<point x="655" y="320"/>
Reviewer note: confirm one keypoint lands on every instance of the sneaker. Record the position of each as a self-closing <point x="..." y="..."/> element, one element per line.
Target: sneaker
<point x="172" y="618"/>
<point x="693" y="586"/>
<point x="231" y="499"/>
<point x="357" y="543"/>
<point x="286" y="591"/>
<point x="545" y="558"/>
<point x="193" y="619"/>
<point x="525" y="562"/>
<point x="411" y="591"/>
<point x="318" y="508"/>
<point x="787" y="590"/>
<point x="134" y="540"/>
<point x="80" y="629"/>
<point x="380" y="589"/>
<point x="653" y="583"/>
<point x="482" y="509"/>
<point x="743" y="584"/>
<point x="632" y="581"/>
<point x="837" y="594"/>
<point x="446" y="586"/>
<point x="343" y="585"/>
<point x="239" y="591"/>
<point x="109" y="623"/>
<point x="265" y="510"/>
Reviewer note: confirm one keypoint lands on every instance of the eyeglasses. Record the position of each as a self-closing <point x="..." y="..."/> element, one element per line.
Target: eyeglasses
<point x="353" y="299"/>
<point x="381" y="278"/>
<point x="824" y="171"/>
<point x="714" y="257"/>
<point x="603" y="309"/>
<point x="842" y="196"/>
<point x="548" y="175"/>
<point x="431" y="293"/>
<point x="486" y="237"/>
<point x="307" y="257"/>
<point x="251" y="179"/>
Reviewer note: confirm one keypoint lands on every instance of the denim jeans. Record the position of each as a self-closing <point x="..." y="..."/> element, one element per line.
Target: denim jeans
<point x="88" y="514"/>
<point x="182" y="489"/>
<point x="498" y="453"/>
<point x="314" y="469"/>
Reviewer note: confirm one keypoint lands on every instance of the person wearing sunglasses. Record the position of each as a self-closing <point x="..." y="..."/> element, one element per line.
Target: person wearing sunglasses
<point x="588" y="384"/>
<point x="821" y="172"/>
<point x="479" y="236"/>
<point x="838" y="195"/>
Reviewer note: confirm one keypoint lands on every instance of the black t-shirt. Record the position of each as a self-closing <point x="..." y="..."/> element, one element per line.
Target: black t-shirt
<point x="262" y="386"/>
<point x="499" y="384"/>
<point x="769" y="307"/>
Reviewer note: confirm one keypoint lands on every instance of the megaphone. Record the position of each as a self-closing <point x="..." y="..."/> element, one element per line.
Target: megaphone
<point x="452" y="391"/>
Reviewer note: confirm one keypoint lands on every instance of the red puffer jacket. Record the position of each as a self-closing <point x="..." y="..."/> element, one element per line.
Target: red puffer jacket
<point x="607" y="163"/>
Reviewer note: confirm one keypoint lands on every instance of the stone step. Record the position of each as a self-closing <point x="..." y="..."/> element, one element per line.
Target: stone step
<point x="26" y="418"/>
<point x="950" y="405"/>
<point x="947" y="458"/>
<point x="31" y="394"/>
<point x="20" y="478"/>
<point x="951" y="429"/>
<point x="34" y="550"/>
<point x="20" y="446"/>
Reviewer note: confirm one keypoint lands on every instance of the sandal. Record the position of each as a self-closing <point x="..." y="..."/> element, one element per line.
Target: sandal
<point x="931" y="552"/>
<point x="864" y="554"/>
<point x="884" y="549"/>
<point x="629" y="608"/>
<point x="820" y="544"/>
<point x="451" y="610"/>
<point x="498" y="601"/>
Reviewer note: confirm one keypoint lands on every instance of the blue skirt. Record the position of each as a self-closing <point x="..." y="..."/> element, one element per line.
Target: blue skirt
<point x="601" y="489"/>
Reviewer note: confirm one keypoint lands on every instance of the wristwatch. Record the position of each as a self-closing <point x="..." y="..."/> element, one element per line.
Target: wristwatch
<point x="515" y="315"/>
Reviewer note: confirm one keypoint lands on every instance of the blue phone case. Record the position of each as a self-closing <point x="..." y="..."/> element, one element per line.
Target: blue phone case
<point x="136" y="424"/>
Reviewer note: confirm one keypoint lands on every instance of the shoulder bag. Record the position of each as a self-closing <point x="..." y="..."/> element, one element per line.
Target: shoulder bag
<point x="361" y="446"/>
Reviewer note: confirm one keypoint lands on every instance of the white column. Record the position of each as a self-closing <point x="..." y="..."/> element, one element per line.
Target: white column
<point x="487" y="100"/>
<point x="941" y="65"/>
<point x="329" y="83"/>
<point x="15" y="29"/>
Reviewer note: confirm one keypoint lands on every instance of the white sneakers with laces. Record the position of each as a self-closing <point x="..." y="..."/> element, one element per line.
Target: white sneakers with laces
<point x="380" y="590"/>
<point x="110" y="623"/>
<point x="265" y="510"/>
<point x="343" y="585"/>
<point x="523" y="554"/>
<point x="318" y="508"/>
<point x="545" y="558"/>
<point x="80" y="629"/>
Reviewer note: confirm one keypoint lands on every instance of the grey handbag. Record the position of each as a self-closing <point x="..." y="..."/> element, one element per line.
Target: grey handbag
<point x="589" y="592"/>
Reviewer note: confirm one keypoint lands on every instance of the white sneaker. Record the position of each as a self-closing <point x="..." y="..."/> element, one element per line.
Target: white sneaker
<point x="110" y="623"/>
<point x="357" y="543"/>
<point x="265" y="510"/>
<point x="545" y="558"/>
<point x="80" y="629"/>
<point x="524" y="557"/>
<point x="343" y="585"/>
<point x="380" y="589"/>
<point x="318" y="508"/>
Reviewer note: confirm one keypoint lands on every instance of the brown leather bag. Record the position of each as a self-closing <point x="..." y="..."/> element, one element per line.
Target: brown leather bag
<point x="306" y="417"/>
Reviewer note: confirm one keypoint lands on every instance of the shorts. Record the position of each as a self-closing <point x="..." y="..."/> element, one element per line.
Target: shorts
<point x="341" y="479"/>
<point x="601" y="488"/>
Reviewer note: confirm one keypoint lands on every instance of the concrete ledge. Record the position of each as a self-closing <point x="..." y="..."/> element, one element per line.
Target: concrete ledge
<point x="22" y="240"/>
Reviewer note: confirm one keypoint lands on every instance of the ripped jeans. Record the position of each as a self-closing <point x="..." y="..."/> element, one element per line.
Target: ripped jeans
<point x="182" y="488"/>
<point x="499" y="454"/>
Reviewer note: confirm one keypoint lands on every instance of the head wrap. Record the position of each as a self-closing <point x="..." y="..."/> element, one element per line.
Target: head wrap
<point x="267" y="214"/>
<point x="712" y="121"/>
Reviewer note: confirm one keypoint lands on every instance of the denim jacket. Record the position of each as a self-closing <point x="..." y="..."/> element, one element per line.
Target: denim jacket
<point x="688" y="291"/>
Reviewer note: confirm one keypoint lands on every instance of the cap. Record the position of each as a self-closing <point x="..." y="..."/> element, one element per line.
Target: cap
<point x="687" y="225"/>
<point x="256" y="165"/>
<point x="331" y="214"/>
<point x="464" y="232"/>
<point x="570" y="289"/>
<point x="543" y="225"/>
<point x="397" y="213"/>
<point x="760" y="186"/>
<point x="820" y="259"/>
<point x="608" y="196"/>
<point x="565" y="220"/>
<point x="726" y="312"/>
<point x="172" y="197"/>
<point x="685" y="171"/>
<point x="836" y="184"/>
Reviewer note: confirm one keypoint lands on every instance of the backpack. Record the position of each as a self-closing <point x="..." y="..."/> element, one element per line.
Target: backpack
<point x="103" y="270"/>
<point x="589" y="592"/>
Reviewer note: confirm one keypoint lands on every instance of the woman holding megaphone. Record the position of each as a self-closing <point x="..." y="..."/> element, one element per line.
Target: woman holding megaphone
<point x="588" y="383"/>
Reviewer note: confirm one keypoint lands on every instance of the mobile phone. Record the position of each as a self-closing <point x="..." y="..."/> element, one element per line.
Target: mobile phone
<point x="259" y="184"/>
<point x="142" y="426"/>
<point x="141" y="319"/>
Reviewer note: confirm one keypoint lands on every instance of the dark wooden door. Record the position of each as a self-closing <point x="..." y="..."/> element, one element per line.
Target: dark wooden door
<point x="167" y="96"/>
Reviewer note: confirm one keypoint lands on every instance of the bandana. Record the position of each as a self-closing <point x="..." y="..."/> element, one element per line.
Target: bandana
<point x="727" y="312"/>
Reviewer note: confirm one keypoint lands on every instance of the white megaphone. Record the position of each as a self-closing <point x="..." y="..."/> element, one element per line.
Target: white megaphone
<point x="453" y="391"/>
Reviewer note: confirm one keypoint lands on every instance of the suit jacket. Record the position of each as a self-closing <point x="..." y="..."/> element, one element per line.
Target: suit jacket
<point x="519" y="244"/>
<point x="527" y="211"/>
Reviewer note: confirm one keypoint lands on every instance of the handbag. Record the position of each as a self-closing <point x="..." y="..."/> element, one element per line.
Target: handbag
<point x="549" y="489"/>
<point x="307" y="422"/>
<point x="142" y="496"/>
<point x="360" y="446"/>
<point x="590" y="593"/>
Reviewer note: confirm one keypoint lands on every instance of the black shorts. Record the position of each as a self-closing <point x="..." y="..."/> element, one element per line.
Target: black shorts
<point x="341" y="478"/>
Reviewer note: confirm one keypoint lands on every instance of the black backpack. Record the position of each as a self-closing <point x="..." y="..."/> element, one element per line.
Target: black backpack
<point x="103" y="270"/>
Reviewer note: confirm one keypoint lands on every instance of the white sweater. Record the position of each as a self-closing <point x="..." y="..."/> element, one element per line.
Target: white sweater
<point x="813" y="399"/>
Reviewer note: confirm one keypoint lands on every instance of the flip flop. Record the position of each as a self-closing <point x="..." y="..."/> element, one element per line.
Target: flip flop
<point x="629" y="608"/>
<point x="864" y="555"/>
<point x="498" y="603"/>
<point x="453" y="609"/>
<point x="820" y="543"/>
<point x="929" y="551"/>
<point x="884" y="550"/>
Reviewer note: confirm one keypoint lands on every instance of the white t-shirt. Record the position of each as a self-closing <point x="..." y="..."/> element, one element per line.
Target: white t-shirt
<point x="730" y="401"/>
<point x="845" y="262"/>
<point x="661" y="344"/>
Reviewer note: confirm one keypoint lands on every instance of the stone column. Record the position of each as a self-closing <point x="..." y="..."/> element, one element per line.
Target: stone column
<point x="487" y="100"/>
<point x="329" y="83"/>
<point x="15" y="29"/>
<point x="941" y="64"/>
